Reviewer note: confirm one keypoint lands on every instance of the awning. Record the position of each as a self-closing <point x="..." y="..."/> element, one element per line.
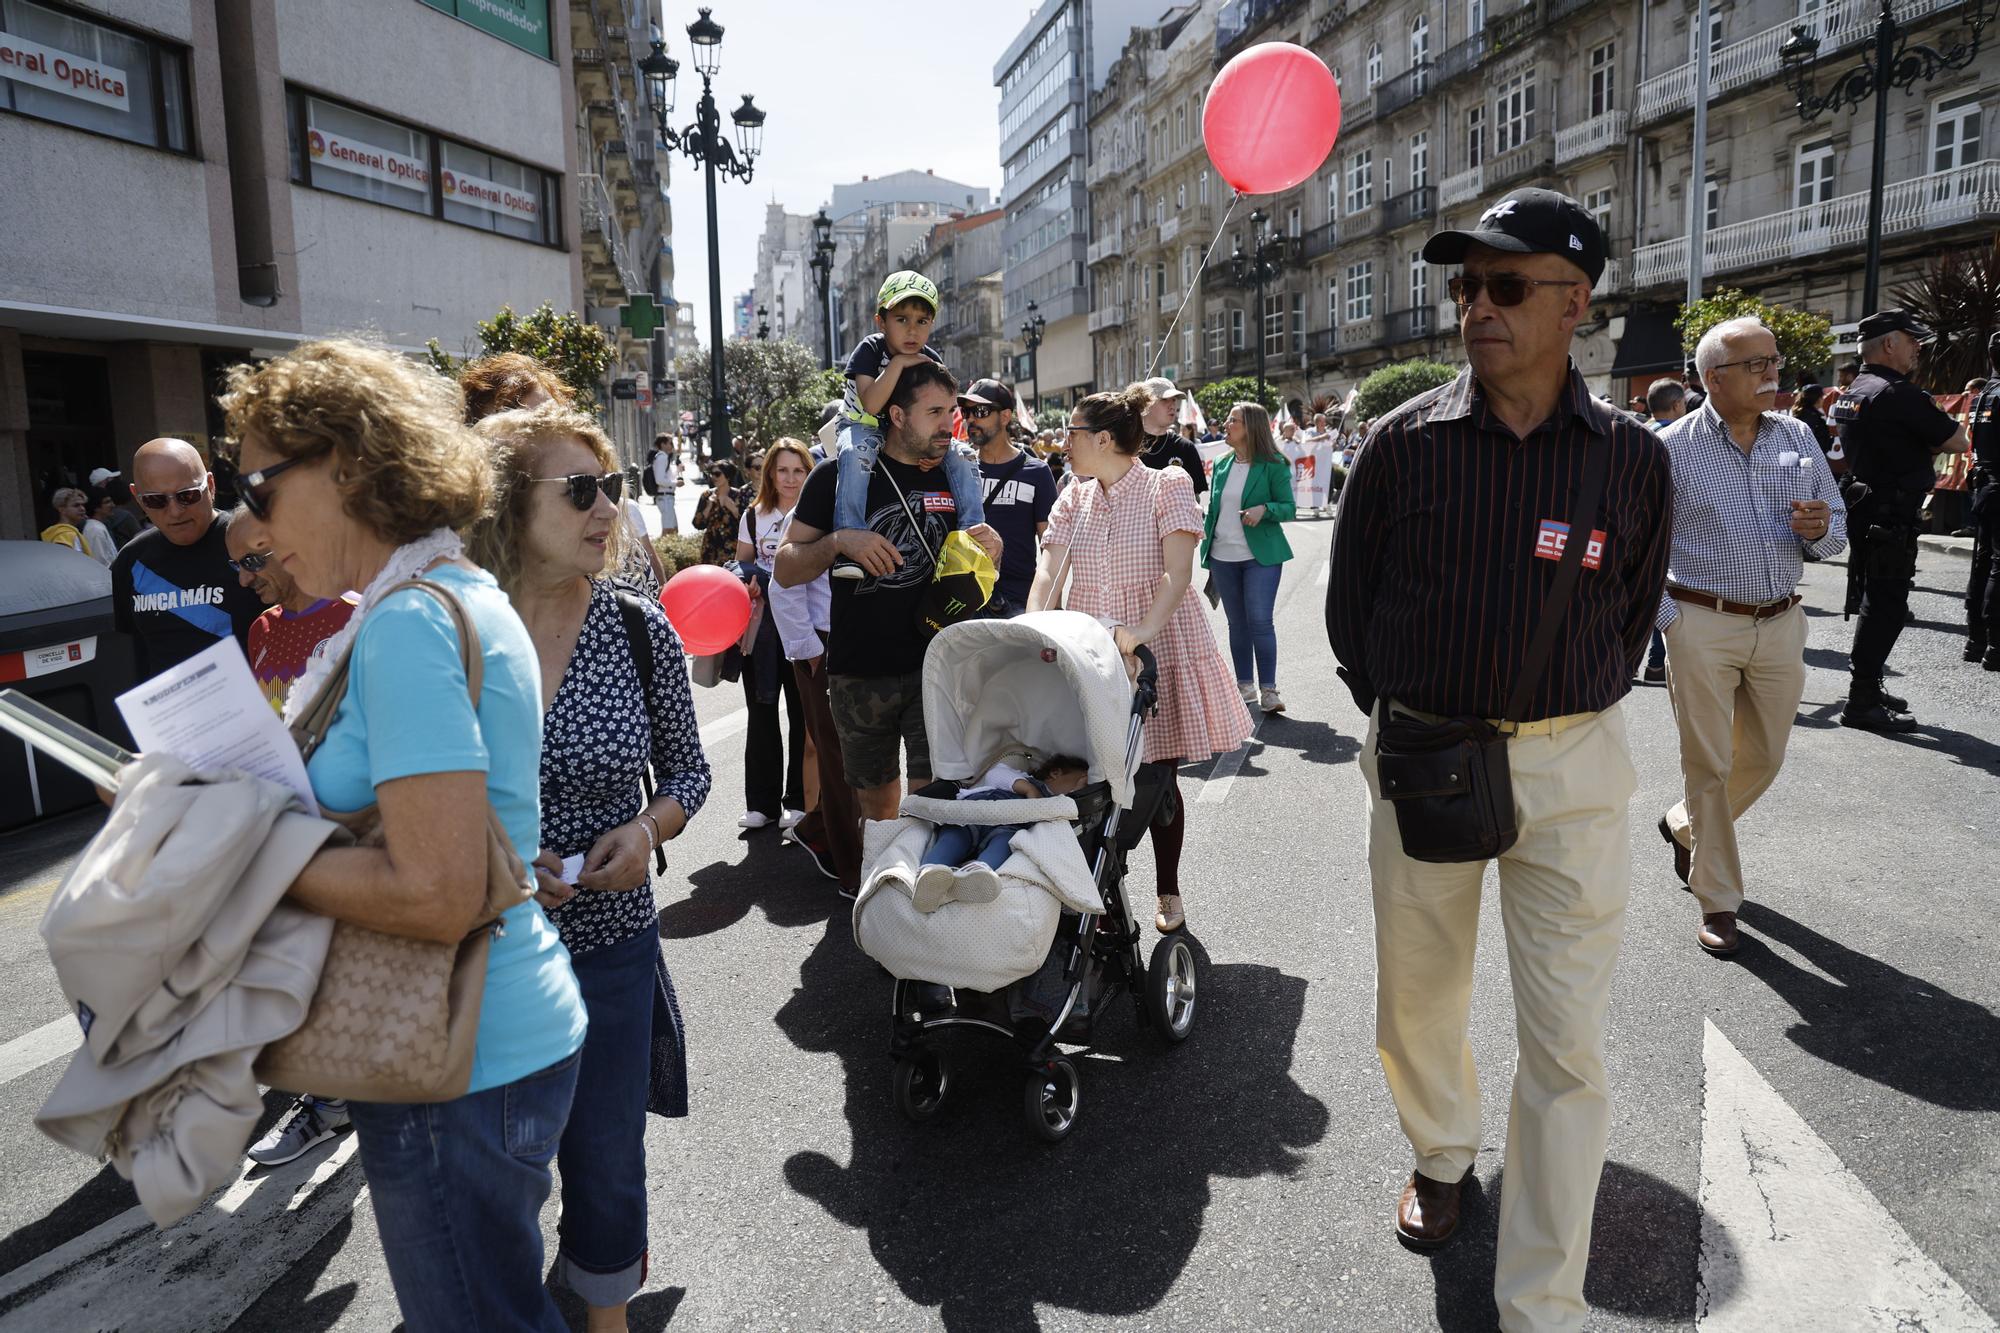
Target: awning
<point x="1651" y="343"/>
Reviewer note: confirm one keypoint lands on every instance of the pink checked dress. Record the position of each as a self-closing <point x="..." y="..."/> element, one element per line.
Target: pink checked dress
<point x="1115" y="566"/>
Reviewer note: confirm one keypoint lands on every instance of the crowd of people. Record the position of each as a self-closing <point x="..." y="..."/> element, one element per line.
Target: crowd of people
<point x="461" y="559"/>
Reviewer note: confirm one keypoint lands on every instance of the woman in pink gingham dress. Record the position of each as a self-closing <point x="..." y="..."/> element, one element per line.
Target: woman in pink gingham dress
<point x="1128" y="534"/>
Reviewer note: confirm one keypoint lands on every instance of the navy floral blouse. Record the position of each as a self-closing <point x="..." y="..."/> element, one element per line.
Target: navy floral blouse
<point x="598" y="736"/>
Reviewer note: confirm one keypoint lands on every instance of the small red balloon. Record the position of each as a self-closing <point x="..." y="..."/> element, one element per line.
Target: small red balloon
<point x="708" y="607"/>
<point x="1271" y="117"/>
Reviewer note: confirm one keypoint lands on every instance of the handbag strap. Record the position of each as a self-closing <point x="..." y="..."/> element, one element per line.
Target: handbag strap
<point x="916" y="525"/>
<point x="311" y="728"/>
<point x="1583" y="519"/>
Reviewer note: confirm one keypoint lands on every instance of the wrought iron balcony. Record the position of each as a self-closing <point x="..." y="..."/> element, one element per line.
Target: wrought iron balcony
<point x="1409" y="207"/>
<point x="1463" y="58"/>
<point x="1321" y="240"/>
<point x="1401" y="326"/>
<point x="1322" y="343"/>
<point x="1403" y="90"/>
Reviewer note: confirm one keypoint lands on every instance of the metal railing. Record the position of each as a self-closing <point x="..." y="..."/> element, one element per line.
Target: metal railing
<point x="601" y="219"/>
<point x="1463" y="58"/>
<point x="1240" y="18"/>
<point x="1408" y="207"/>
<point x="1321" y="240"/>
<point x="1403" y="90"/>
<point x="1966" y="194"/>
<point x="1612" y="280"/>
<point x="1408" y="325"/>
<point x="1600" y="133"/>
<point x="1169" y="302"/>
<point x="1462" y="187"/>
<point x="1106" y="317"/>
<point x="1108" y="246"/>
<point x="1322" y="343"/>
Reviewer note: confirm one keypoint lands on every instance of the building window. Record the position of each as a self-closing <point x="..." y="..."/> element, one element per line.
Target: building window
<point x="1389" y="174"/>
<point x="1475" y="136"/>
<point x="1202" y="193"/>
<point x="1274" y="324"/>
<point x="1372" y="72"/>
<point x="1955" y="133"/>
<point x="1187" y="349"/>
<point x="1712" y="214"/>
<point x="345" y="151"/>
<point x="1360" y="180"/>
<point x="494" y="194"/>
<point x="1333" y="195"/>
<point x="1292" y="220"/>
<point x="1420" y="281"/>
<point x="1420" y="159"/>
<point x="1187" y="267"/>
<point x="1236" y="342"/>
<point x="1514" y="112"/>
<point x="1420" y="52"/>
<point x="1475" y="16"/>
<point x="1298" y="321"/>
<point x="1180" y="127"/>
<point x="1180" y="196"/>
<point x="1159" y="209"/>
<point x="1218" y="341"/>
<point x="1332" y="302"/>
<point x="1603" y="78"/>
<point x="1361" y="291"/>
<point x="1812" y="174"/>
<point x="1597" y="203"/>
<point x="74" y="71"/>
<point x="1714" y="36"/>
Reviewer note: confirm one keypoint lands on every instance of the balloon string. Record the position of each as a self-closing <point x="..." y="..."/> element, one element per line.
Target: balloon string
<point x="1167" y="338"/>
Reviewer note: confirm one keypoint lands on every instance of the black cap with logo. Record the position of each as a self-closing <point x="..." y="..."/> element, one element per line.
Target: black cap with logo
<point x="1884" y="322"/>
<point x="1528" y="222"/>
<point x="989" y="391"/>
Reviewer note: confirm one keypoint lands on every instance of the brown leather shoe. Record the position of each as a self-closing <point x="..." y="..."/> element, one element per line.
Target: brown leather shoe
<point x="1427" y="1214"/>
<point x="1683" y="858"/>
<point x="1717" y="933"/>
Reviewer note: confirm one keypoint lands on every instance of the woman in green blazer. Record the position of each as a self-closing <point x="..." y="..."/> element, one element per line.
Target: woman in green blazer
<point x="1244" y="548"/>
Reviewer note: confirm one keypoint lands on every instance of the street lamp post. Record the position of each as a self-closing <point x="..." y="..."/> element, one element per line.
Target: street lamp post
<point x="1031" y="339"/>
<point x="703" y="143"/>
<point x="822" y="266"/>
<point x="1262" y="263"/>
<point x="1893" y="62"/>
<point x="763" y="324"/>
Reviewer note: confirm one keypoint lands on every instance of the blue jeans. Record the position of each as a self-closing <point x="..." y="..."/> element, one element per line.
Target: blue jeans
<point x="859" y="444"/>
<point x="1249" y="591"/>
<point x="458" y="1189"/>
<point x="961" y="844"/>
<point x="601" y="1243"/>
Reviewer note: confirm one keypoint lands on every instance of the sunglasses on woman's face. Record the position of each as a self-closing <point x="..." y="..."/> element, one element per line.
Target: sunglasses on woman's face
<point x="584" y="486"/>
<point x="251" y="563"/>
<point x="186" y="498"/>
<point x="255" y="490"/>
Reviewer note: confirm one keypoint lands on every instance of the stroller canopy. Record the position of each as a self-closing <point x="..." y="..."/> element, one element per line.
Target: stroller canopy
<point x="1051" y="680"/>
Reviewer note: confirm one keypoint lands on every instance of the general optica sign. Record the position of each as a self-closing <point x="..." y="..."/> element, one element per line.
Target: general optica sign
<point x="492" y="196"/>
<point x="364" y="159"/>
<point x="522" y="23"/>
<point x="44" y="67"/>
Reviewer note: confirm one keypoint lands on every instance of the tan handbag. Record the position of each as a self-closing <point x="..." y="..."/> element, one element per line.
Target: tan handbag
<point x="396" y="1019"/>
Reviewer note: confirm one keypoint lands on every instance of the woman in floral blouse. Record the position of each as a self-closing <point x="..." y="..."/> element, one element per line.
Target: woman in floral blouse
<point x="717" y="514"/>
<point x="554" y="533"/>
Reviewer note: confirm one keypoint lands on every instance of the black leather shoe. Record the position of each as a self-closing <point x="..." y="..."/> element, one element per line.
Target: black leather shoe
<point x="1876" y="717"/>
<point x="1975" y="649"/>
<point x="1683" y="858"/>
<point x="1896" y="702"/>
<point x="1992" y="659"/>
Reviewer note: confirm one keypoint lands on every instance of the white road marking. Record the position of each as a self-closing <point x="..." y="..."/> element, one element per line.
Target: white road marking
<point x="1215" y="787"/>
<point x="199" y="1275"/>
<point x="1790" y="1238"/>
<point x="720" y="730"/>
<point x="1325" y="575"/>
<point x="31" y="1050"/>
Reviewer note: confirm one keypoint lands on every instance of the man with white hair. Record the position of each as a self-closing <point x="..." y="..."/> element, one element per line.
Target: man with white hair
<point x="1753" y="497"/>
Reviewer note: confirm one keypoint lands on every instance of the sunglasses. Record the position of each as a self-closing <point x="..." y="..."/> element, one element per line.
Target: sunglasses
<point x="978" y="413"/>
<point x="1502" y="289"/>
<point x="584" y="486"/>
<point x="254" y="488"/>
<point x="251" y="563"/>
<point x="186" y="497"/>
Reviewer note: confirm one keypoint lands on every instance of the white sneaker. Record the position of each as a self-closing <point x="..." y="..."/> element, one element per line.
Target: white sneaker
<point x="753" y="819"/>
<point x="790" y="818"/>
<point x="933" y="887"/>
<point x="307" y="1125"/>
<point x="1271" y="703"/>
<point x="847" y="569"/>
<point x="977" y="883"/>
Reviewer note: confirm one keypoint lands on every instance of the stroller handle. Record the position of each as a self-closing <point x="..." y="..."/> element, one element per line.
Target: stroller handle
<point x="1146" y="690"/>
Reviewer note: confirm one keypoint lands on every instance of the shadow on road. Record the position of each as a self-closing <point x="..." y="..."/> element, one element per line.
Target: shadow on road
<point x="777" y="878"/>
<point x="286" y="1305"/>
<point x="649" y="1312"/>
<point x="970" y="1215"/>
<point x="1874" y="1020"/>
<point x="103" y="1196"/>
<point x="1316" y="742"/>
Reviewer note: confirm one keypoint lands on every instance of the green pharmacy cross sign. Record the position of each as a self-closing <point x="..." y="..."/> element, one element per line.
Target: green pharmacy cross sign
<point x="522" y="23"/>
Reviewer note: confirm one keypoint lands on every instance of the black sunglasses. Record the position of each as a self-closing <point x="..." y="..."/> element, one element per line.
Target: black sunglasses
<point x="1503" y="289"/>
<point x="186" y="497"/>
<point x="584" y="486"/>
<point x="254" y="488"/>
<point x="251" y="563"/>
<point x="978" y="413"/>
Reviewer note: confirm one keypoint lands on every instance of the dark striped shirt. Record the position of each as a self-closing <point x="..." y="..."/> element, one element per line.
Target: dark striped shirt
<point x="1436" y="581"/>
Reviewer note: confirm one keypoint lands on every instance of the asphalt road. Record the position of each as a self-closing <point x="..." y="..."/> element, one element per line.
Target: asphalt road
<point x="1247" y="1178"/>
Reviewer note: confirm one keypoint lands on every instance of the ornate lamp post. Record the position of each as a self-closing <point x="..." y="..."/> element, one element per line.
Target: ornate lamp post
<point x="1031" y="339"/>
<point x="1893" y="62"/>
<point x="763" y="324"/>
<point x="1261" y="264"/>
<point x="703" y="143"/>
<point x="822" y="267"/>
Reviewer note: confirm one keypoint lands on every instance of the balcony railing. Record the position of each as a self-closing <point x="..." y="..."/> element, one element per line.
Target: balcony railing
<point x="1109" y="246"/>
<point x="1321" y="240"/>
<point x="1322" y="343"/>
<point x="1598" y="134"/>
<point x="1962" y="195"/>
<point x="600" y="220"/>
<point x="1403" y="326"/>
<point x="1356" y="334"/>
<point x="1240" y="18"/>
<point x="1404" y="89"/>
<point x="1191" y="217"/>
<point x="1170" y="302"/>
<point x="1463" y="58"/>
<point x="1754" y="59"/>
<point x="1462" y="187"/>
<point x="1538" y="154"/>
<point x="1612" y="280"/>
<point x="1170" y="227"/>
<point x="1408" y="207"/>
<point x="1106" y="317"/>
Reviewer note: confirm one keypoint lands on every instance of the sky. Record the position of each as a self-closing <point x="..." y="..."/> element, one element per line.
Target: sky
<point x="808" y="64"/>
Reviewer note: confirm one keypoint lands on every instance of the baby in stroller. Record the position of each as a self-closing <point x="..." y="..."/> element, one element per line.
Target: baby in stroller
<point x="962" y="862"/>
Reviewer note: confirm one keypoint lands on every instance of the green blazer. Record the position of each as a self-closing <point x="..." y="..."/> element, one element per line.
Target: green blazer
<point x="1269" y="484"/>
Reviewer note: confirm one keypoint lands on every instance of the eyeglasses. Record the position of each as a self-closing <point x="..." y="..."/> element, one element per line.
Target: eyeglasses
<point x="978" y="413"/>
<point x="185" y="497"/>
<point x="255" y="487"/>
<point x="251" y="563"/>
<point x="1756" y="365"/>
<point x="1502" y="289"/>
<point x="584" y="486"/>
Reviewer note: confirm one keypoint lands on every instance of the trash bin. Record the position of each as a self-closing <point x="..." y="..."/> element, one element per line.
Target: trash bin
<point x="57" y="646"/>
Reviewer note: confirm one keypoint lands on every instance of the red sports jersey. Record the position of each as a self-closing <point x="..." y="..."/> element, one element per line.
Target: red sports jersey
<point x="280" y="643"/>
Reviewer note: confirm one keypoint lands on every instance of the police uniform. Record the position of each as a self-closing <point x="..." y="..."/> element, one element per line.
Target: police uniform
<point x="1891" y="431"/>
<point x="1982" y="593"/>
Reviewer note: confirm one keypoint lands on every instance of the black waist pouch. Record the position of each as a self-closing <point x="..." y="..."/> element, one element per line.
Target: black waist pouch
<point x="1449" y="785"/>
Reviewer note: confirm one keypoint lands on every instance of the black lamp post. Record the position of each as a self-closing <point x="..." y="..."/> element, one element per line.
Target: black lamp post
<point x="763" y="324"/>
<point x="703" y="143"/>
<point x="822" y="266"/>
<point x="1031" y="339"/>
<point x="1263" y="262"/>
<point x="1893" y="62"/>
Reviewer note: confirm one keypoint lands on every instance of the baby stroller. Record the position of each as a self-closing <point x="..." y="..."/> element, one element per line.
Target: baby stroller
<point x="1044" y="961"/>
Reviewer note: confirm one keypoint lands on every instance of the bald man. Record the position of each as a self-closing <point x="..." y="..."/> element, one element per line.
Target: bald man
<point x="172" y="588"/>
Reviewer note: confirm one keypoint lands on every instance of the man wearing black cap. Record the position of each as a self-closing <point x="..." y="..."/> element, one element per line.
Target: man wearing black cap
<point x="1020" y="491"/>
<point x="1452" y="526"/>
<point x="1891" y="432"/>
<point x="1982" y="592"/>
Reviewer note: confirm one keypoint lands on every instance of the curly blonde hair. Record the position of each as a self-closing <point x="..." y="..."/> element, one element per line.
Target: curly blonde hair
<point x="404" y="461"/>
<point x="514" y="442"/>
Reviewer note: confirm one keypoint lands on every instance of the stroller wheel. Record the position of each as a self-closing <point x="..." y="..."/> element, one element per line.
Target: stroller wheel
<point x="920" y="1083"/>
<point x="1050" y="1099"/>
<point x="1170" y="987"/>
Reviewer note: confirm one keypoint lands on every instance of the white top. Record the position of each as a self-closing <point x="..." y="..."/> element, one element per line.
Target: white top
<point x="663" y="470"/>
<point x="97" y="542"/>
<point x="770" y="534"/>
<point x="1230" y="543"/>
<point x="1000" y="777"/>
<point x="802" y="613"/>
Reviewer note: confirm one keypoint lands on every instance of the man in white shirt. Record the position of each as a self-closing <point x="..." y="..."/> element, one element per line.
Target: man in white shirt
<point x="666" y="481"/>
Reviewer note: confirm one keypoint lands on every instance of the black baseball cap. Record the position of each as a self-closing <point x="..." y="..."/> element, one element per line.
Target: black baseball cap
<point x="989" y="391"/>
<point x="1528" y="222"/>
<point x="1892" y="320"/>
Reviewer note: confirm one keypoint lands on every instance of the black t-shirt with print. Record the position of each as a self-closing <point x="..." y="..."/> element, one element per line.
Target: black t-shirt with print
<point x="177" y="600"/>
<point x="874" y="630"/>
<point x="1018" y="494"/>
<point x="1160" y="450"/>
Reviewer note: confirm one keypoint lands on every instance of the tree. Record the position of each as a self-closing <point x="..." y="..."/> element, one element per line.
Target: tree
<point x="1392" y="386"/>
<point x="1958" y="295"/>
<point x="1216" y="398"/>
<point x="1805" y="338"/>
<point x="798" y="416"/>
<point x="759" y="376"/>
<point x="576" y="351"/>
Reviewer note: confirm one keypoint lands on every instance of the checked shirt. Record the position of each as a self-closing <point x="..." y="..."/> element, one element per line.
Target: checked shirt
<point x="1732" y="533"/>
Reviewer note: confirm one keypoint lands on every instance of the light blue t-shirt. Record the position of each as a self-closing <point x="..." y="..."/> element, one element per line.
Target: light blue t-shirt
<point x="407" y="712"/>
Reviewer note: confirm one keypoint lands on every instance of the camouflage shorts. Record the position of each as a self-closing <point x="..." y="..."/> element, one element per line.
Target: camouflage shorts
<point x="876" y="716"/>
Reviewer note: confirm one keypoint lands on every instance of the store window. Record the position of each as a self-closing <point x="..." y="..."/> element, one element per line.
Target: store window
<point x="74" y="71"/>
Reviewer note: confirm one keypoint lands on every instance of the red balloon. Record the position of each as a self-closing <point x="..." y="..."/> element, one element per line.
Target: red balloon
<point x="1271" y="117"/>
<point x="708" y="607"/>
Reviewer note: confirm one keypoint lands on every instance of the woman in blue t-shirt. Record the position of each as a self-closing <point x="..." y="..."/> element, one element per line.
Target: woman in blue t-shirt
<point x="360" y="465"/>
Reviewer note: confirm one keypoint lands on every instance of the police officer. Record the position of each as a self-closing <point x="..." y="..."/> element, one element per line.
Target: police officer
<point x="1891" y="432"/>
<point x="1982" y="593"/>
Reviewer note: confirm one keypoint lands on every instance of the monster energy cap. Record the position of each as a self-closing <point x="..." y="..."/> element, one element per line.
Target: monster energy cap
<point x="906" y="284"/>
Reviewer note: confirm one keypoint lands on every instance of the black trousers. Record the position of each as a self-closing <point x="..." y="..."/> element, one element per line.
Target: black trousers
<point x="1982" y="590"/>
<point x="1885" y="600"/>
<point x="764" y="751"/>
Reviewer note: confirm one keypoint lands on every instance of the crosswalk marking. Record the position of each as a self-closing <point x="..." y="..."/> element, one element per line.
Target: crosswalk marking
<point x="31" y="1050"/>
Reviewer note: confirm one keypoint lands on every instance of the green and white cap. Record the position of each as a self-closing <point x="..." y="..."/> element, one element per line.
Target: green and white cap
<point x="904" y="284"/>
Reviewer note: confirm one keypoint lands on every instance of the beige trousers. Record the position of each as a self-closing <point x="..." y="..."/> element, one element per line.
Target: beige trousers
<point x="1735" y="685"/>
<point x="1563" y="887"/>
